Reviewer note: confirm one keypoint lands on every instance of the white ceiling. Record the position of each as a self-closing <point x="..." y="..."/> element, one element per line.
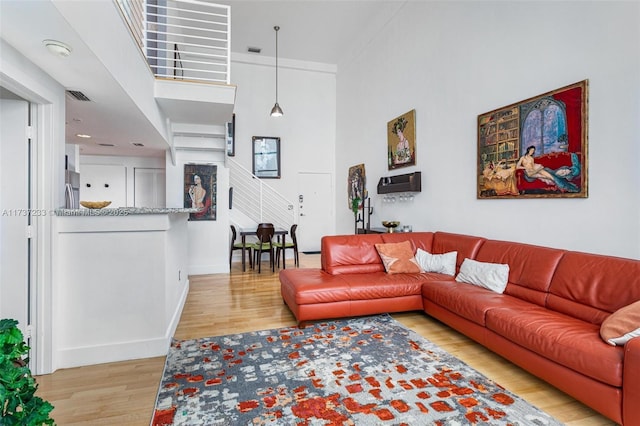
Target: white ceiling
<point x="318" y="31"/>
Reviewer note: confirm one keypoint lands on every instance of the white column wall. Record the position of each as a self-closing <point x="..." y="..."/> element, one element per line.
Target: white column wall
<point x="452" y="61"/>
<point x="208" y="239"/>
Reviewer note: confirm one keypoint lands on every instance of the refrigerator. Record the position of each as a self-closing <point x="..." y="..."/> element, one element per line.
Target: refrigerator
<point x="71" y="190"/>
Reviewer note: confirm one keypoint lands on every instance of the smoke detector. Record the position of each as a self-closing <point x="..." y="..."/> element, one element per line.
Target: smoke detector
<point x="58" y="48"/>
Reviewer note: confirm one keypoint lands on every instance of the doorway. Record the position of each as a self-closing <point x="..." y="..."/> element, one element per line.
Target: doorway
<point x="17" y="236"/>
<point x="315" y="198"/>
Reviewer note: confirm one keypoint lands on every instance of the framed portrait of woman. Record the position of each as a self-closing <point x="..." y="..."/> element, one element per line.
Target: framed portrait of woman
<point x="401" y="141"/>
<point x="200" y="190"/>
<point x="536" y="148"/>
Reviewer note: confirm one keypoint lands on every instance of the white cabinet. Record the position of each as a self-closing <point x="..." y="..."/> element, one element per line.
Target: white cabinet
<point x="104" y="182"/>
<point x="149" y="187"/>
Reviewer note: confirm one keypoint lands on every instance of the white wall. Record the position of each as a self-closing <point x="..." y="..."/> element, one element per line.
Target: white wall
<point x="452" y="61"/>
<point x="307" y="95"/>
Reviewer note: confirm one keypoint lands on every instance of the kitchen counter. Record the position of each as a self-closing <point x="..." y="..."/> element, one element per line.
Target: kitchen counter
<point x="122" y="211"/>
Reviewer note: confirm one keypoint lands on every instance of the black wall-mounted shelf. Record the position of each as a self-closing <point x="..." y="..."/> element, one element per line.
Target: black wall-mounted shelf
<point x="411" y="182"/>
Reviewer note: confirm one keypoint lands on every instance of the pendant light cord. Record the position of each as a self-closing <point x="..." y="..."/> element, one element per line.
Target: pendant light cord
<point x="277" y="29"/>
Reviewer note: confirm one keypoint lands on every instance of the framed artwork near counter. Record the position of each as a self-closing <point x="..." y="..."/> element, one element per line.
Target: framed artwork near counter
<point x="536" y="148"/>
<point x="200" y="189"/>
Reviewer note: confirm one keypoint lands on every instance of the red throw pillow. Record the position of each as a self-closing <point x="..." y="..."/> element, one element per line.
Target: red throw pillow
<point x="398" y="258"/>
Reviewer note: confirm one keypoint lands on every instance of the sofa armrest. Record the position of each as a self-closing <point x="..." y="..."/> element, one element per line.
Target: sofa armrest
<point x="630" y="383"/>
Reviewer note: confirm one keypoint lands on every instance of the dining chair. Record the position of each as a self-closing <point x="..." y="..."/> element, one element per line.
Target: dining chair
<point x="282" y="248"/>
<point x="238" y="246"/>
<point x="264" y="232"/>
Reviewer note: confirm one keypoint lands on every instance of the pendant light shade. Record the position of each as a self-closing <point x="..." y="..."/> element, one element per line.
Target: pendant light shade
<point x="276" y="111"/>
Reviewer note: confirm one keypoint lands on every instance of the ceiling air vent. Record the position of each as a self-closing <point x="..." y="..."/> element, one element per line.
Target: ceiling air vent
<point x="78" y="95"/>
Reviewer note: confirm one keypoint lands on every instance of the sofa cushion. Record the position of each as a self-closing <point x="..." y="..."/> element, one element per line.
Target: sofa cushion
<point x="592" y="286"/>
<point x="531" y="267"/>
<point x="469" y="301"/>
<point x="398" y="258"/>
<point x="350" y="254"/>
<point x="571" y="342"/>
<point x="492" y="276"/>
<point x="622" y="325"/>
<point x="419" y="240"/>
<point x="467" y="246"/>
<point x="380" y="285"/>
<point x="440" y="263"/>
<point x="312" y="285"/>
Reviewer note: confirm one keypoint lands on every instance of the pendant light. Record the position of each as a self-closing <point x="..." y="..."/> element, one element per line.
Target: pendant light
<point x="276" y="111"/>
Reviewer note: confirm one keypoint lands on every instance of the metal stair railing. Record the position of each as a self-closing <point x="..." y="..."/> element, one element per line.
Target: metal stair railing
<point x="258" y="201"/>
<point x="197" y="31"/>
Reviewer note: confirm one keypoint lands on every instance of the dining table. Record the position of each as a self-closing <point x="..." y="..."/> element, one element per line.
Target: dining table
<point x="244" y="232"/>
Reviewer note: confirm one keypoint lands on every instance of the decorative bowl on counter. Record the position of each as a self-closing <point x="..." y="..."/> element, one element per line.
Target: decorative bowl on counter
<point x="95" y="204"/>
<point x="390" y="224"/>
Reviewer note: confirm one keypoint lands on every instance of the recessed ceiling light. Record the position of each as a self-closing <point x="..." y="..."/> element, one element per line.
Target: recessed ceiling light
<point x="58" y="48"/>
<point x="83" y="136"/>
<point x="254" y="49"/>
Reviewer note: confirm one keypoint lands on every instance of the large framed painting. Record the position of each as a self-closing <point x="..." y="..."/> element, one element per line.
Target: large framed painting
<point x="266" y="157"/>
<point x="200" y="189"/>
<point x="536" y="148"/>
<point x="401" y="141"/>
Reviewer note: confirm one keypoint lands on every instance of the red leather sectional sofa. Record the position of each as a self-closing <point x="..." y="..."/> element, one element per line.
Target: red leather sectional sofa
<point x="547" y="321"/>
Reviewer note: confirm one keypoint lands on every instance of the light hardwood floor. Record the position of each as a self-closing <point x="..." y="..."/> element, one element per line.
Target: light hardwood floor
<point x="123" y="393"/>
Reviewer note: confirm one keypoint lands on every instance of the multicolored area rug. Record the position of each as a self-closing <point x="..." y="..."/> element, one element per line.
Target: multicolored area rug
<point x="363" y="371"/>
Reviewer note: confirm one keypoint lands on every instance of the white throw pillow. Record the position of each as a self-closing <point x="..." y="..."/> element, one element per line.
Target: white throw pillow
<point x="493" y="276"/>
<point x="441" y="263"/>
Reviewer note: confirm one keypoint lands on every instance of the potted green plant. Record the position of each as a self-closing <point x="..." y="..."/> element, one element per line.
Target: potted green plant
<point x="18" y="403"/>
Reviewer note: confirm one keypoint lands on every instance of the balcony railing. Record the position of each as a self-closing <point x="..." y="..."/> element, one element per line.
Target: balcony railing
<point x="182" y="39"/>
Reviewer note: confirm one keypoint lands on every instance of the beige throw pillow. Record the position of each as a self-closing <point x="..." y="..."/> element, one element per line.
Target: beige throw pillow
<point x="398" y="258"/>
<point x="622" y="325"/>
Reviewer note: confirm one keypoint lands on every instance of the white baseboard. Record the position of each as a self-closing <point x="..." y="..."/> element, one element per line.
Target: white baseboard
<point x="124" y="351"/>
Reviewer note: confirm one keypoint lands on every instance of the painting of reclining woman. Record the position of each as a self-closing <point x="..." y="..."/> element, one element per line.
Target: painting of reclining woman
<point x="560" y="177"/>
<point x="535" y="148"/>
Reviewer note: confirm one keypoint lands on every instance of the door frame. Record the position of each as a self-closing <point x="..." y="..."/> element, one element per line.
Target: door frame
<point x="47" y="100"/>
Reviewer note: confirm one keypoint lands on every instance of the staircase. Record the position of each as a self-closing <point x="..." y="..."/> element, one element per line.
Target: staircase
<point x="256" y="200"/>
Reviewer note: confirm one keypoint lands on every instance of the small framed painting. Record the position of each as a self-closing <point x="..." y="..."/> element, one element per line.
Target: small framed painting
<point x="356" y="184"/>
<point x="200" y="190"/>
<point x="266" y="157"/>
<point x="401" y="141"/>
